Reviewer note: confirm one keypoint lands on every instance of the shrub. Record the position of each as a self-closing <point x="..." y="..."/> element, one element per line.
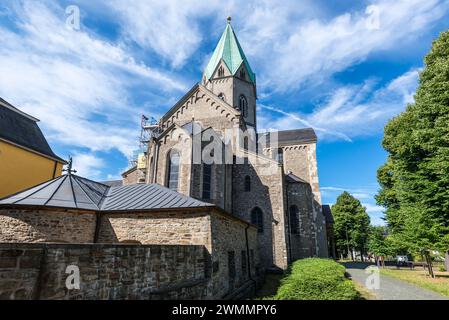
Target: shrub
<point x="316" y="279"/>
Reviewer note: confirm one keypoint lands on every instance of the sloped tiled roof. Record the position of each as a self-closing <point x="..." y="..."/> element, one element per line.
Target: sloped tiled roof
<point x="21" y="129"/>
<point x="74" y="192"/>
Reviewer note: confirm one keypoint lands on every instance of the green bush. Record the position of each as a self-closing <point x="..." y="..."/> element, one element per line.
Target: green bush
<point x="316" y="279"/>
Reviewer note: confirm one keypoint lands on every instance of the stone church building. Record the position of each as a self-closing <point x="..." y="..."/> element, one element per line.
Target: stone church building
<point x="269" y="179"/>
<point x="212" y="205"/>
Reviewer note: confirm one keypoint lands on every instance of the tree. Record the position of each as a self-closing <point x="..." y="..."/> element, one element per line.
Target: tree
<point x="415" y="180"/>
<point x="378" y="242"/>
<point x="351" y="225"/>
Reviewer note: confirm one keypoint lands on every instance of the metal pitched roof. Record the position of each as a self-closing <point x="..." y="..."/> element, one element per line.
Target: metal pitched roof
<point x="290" y="137"/>
<point x="291" y="178"/>
<point x="68" y="191"/>
<point x="74" y="192"/>
<point x="21" y="129"/>
<point x="113" y="183"/>
<point x="147" y="197"/>
<point x="230" y="51"/>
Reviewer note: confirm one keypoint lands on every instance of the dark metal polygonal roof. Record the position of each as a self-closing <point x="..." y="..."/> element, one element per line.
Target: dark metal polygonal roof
<point x="74" y="192"/>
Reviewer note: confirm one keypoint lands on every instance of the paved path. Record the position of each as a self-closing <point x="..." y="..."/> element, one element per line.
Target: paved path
<point x="391" y="288"/>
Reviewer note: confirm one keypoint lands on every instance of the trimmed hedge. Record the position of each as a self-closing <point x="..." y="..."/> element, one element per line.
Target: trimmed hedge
<point x="316" y="279"/>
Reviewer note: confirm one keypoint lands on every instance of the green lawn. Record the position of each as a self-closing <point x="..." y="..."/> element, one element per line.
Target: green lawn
<point x="419" y="277"/>
<point x="311" y="279"/>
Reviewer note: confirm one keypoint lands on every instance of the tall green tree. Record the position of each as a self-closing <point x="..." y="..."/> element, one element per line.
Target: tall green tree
<point x="378" y="242"/>
<point x="415" y="180"/>
<point x="351" y="225"/>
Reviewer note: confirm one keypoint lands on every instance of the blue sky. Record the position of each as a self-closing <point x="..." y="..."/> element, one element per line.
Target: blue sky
<point x="343" y="67"/>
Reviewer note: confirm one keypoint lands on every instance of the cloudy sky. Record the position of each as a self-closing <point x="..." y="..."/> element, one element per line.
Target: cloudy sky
<point x="342" y="67"/>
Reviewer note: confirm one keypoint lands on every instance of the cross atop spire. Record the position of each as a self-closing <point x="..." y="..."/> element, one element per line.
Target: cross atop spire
<point x="229" y="20"/>
<point x="69" y="169"/>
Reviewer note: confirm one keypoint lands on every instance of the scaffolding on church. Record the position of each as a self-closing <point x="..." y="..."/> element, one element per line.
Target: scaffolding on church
<point x="150" y="128"/>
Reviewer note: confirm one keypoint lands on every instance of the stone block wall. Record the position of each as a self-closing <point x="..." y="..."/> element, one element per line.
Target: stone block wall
<point x="232" y="258"/>
<point x="212" y="229"/>
<point x="267" y="193"/>
<point x="303" y="244"/>
<point x="311" y="239"/>
<point x="107" y="272"/>
<point x="183" y="228"/>
<point x="134" y="176"/>
<point x="46" y="226"/>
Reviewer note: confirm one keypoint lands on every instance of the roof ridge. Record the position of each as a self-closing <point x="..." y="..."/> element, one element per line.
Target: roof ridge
<point x="8" y="105"/>
<point x="96" y="182"/>
<point x="56" y="190"/>
<point x="87" y="195"/>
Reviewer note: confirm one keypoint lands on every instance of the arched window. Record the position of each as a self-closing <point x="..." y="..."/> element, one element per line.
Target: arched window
<point x="243" y="106"/>
<point x="173" y="171"/>
<point x="221" y="72"/>
<point x="242" y="74"/>
<point x="257" y="219"/>
<point x="246" y="143"/>
<point x="247" y="184"/>
<point x="207" y="181"/>
<point x="222" y="96"/>
<point x="294" y="220"/>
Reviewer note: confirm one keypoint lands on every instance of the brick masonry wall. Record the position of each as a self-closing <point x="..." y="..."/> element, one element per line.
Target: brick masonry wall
<point x="107" y="272"/>
<point x="46" y="226"/>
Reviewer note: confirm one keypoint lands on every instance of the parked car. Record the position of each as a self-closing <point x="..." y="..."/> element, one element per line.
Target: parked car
<point x="402" y="261"/>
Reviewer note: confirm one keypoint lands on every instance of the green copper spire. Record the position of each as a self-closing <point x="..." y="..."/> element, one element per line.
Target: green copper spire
<point x="231" y="52"/>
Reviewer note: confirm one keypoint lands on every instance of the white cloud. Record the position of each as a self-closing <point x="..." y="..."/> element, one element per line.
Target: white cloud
<point x="361" y="193"/>
<point x="349" y="111"/>
<point x="289" y="44"/>
<point x="373" y="209"/>
<point x="310" y="49"/>
<point x="88" y="165"/>
<point x="170" y="28"/>
<point x="79" y="85"/>
<point x="366" y="196"/>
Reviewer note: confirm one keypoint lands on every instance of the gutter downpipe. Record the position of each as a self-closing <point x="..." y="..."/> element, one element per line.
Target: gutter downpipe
<point x="289" y="229"/>
<point x="97" y="226"/>
<point x="249" y="259"/>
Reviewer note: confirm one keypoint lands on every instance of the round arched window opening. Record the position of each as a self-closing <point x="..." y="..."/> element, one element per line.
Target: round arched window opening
<point x="173" y="170"/>
<point x="243" y="106"/>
